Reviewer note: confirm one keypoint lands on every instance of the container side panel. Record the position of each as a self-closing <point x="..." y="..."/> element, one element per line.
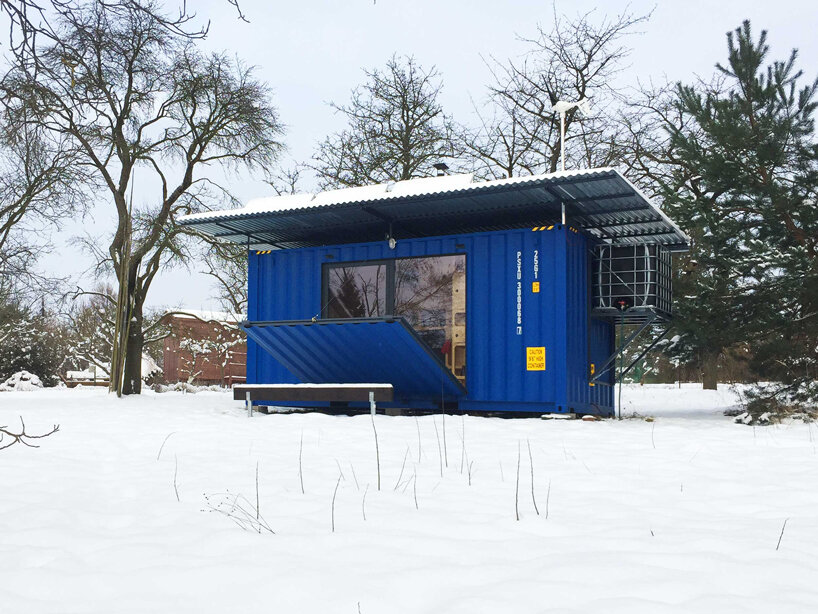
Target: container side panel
<point x="589" y="340"/>
<point x="512" y="320"/>
<point x="253" y="287"/>
<point x="602" y="345"/>
<point x="577" y="322"/>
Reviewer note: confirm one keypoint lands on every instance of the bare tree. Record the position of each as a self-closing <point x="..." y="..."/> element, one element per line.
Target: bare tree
<point x="92" y="318"/>
<point x="40" y="185"/>
<point x="132" y="94"/>
<point x="226" y="263"/>
<point x="396" y="129"/>
<point x="504" y="144"/>
<point x="577" y="58"/>
<point x="286" y="180"/>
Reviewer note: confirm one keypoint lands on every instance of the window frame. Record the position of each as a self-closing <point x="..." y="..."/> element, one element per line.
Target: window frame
<point x="390" y="266"/>
<point x="389" y="302"/>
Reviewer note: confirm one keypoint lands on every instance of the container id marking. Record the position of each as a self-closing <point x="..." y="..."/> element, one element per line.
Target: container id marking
<point x="535" y="359"/>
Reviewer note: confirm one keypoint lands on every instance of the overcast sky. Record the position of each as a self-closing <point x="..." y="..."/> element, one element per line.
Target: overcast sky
<point x="313" y="51"/>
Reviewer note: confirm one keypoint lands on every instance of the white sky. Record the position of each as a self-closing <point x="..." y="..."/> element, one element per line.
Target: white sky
<point x="312" y="52"/>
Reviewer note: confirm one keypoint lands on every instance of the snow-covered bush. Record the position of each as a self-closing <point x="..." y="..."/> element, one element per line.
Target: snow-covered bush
<point x="30" y="342"/>
<point x="765" y="403"/>
<point x="22" y="381"/>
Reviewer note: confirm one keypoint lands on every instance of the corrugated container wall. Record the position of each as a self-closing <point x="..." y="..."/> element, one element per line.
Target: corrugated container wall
<point x="525" y="290"/>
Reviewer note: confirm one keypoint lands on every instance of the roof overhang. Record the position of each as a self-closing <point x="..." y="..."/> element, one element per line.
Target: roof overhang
<point x="600" y="202"/>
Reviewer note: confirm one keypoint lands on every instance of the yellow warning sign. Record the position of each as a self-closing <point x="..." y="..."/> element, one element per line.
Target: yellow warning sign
<point x="535" y="359"/>
<point x="535" y="287"/>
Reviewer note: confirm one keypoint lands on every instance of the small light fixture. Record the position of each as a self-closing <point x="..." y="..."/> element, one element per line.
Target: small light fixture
<point x="390" y="240"/>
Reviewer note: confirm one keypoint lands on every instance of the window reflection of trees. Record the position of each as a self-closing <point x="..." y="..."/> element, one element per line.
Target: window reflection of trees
<point x="423" y="295"/>
<point x="429" y="292"/>
<point x="357" y="292"/>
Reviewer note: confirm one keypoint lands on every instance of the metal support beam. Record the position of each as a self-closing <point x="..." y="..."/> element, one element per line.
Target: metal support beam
<point x="619" y="210"/>
<point x="646" y="233"/>
<point x="612" y="358"/>
<point x="377" y="214"/>
<point x="617" y="224"/>
<point x="645" y="352"/>
<point x="241" y="233"/>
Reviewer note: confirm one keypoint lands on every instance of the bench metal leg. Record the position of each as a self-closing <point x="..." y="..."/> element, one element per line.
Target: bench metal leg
<point x="249" y="403"/>
<point x="372" y="403"/>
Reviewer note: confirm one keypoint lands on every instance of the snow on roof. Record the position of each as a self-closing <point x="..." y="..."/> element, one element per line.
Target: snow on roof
<point x="380" y="191"/>
<point x="207" y="316"/>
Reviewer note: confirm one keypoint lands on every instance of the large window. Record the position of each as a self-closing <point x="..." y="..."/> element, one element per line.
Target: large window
<point x="357" y="291"/>
<point x="429" y="292"/>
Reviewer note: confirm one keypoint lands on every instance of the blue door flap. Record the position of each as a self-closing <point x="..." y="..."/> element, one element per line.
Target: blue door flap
<point x="358" y="351"/>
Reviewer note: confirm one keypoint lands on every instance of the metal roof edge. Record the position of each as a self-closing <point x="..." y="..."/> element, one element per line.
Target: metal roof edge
<point x="648" y="200"/>
<point x="496" y="184"/>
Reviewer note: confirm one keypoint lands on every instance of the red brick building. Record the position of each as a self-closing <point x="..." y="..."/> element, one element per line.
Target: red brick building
<point x="204" y="348"/>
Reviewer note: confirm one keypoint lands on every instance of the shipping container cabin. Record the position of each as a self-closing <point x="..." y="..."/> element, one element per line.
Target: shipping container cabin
<point x="497" y="296"/>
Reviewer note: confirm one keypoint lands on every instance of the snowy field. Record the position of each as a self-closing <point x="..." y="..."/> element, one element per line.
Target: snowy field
<point x="682" y="514"/>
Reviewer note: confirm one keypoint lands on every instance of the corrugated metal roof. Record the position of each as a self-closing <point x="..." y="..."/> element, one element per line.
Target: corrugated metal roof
<point x="602" y="202"/>
<point x="382" y="350"/>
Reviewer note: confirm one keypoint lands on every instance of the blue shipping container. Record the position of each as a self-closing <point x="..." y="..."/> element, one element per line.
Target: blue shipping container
<point x="531" y="341"/>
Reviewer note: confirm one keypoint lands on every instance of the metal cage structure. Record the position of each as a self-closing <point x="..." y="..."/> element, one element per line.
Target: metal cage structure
<point x="634" y="280"/>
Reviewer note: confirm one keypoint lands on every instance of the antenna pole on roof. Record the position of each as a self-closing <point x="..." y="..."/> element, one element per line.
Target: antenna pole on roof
<point x="562" y="151"/>
<point x="562" y="107"/>
<point x="562" y="157"/>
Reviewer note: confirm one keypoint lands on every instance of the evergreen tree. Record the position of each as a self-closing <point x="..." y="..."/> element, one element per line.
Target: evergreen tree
<point x="29" y="341"/>
<point x="739" y="170"/>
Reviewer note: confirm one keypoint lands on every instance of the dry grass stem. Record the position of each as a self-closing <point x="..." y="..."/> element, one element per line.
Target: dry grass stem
<point x="439" y="449"/>
<point x="334" y="492"/>
<point x="162" y="447"/>
<point x="531" y="462"/>
<point x="377" y="451"/>
<point x="300" y="471"/>
<point x="780" y="537"/>
<point x="175" y="474"/>
<point x="402" y="467"/>
<point x="517" y="486"/>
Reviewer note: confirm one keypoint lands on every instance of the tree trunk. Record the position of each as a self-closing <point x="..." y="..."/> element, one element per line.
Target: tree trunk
<point x="132" y="381"/>
<point x="710" y="376"/>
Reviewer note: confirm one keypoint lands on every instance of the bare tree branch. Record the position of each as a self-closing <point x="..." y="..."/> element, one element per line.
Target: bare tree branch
<point x="23" y="437"/>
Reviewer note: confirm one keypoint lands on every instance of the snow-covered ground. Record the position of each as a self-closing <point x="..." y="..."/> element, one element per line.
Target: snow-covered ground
<point x="682" y="514"/>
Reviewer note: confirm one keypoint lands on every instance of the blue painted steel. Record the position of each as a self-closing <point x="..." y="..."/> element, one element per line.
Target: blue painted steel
<point x="500" y="267"/>
<point x="380" y="351"/>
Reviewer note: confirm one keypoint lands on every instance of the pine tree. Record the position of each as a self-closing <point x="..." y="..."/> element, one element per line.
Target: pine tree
<point x="743" y="179"/>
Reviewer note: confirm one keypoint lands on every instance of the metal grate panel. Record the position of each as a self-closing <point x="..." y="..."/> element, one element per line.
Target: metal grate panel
<point x="635" y="279"/>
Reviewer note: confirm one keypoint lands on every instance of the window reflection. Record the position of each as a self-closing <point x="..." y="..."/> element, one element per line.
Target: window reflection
<point x="429" y="292"/>
<point x="356" y="291"/>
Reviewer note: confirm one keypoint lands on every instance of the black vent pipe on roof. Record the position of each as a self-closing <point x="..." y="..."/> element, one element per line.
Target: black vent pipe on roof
<point x="442" y="169"/>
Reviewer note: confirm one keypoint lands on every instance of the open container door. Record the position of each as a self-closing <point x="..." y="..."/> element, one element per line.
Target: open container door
<point x="358" y="350"/>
